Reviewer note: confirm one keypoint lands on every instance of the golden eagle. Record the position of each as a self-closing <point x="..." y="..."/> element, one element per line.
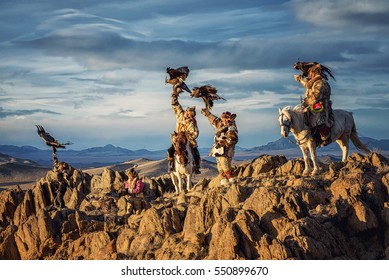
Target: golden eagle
<point x="50" y="141"/>
<point x="208" y="93"/>
<point x="304" y="67"/>
<point x="177" y="77"/>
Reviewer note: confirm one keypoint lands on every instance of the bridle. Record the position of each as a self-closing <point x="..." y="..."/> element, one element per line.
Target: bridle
<point x="288" y="126"/>
<point x="286" y="123"/>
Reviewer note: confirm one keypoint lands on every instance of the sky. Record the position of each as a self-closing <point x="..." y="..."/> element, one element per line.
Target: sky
<point x="92" y="72"/>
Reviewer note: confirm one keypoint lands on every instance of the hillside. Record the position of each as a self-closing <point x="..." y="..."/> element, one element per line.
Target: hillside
<point x="14" y="171"/>
<point x="271" y="212"/>
<point x="154" y="168"/>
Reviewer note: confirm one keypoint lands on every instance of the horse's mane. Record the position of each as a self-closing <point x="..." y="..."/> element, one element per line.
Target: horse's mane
<point x="298" y="108"/>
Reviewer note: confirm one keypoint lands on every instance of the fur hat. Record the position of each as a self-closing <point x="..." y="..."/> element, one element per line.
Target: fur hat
<point x="228" y="115"/>
<point x="316" y="69"/>
<point x="191" y="111"/>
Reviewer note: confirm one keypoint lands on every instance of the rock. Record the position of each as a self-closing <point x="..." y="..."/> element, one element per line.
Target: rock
<point x="269" y="212"/>
<point x="9" y="201"/>
<point x="8" y="247"/>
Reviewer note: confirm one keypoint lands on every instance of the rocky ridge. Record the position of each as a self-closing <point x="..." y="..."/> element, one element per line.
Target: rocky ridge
<point x="271" y="212"/>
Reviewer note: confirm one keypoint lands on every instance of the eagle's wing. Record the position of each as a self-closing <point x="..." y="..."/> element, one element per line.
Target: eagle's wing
<point x="208" y="102"/>
<point x="328" y="71"/>
<point x="50" y="140"/>
<point x="181" y="72"/>
<point x="208" y="93"/>
<point x="177" y="77"/>
<point x="184" y="70"/>
<point x="304" y="67"/>
<point x="185" y="87"/>
<point x="212" y="93"/>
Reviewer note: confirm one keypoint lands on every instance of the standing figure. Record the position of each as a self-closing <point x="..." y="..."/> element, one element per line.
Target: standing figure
<point x="187" y="124"/>
<point x="317" y="100"/>
<point x="226" y="137"/>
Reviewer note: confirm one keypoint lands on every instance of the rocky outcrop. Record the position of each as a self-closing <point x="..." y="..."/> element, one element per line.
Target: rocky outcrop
<point x="271" y="212"/>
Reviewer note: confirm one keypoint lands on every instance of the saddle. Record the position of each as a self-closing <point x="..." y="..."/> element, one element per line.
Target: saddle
<point x="315" y="132"/>
<point x="318" y="130"/>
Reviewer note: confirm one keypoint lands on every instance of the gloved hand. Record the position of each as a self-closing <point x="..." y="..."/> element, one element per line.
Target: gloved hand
<point x="174" y="98"/>
<point x="298" y="77"/>
<point x="205" y="112"/>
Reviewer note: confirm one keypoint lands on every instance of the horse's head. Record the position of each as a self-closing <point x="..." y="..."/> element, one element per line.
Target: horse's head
<point x="179" y="142"/>
<point x="285" y="121"/>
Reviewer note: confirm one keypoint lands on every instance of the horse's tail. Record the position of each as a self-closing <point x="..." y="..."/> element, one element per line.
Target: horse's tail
<point x="357" y="141"/>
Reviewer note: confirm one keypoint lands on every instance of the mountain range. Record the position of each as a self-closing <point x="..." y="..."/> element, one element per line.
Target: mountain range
<point x="101" y="156"/>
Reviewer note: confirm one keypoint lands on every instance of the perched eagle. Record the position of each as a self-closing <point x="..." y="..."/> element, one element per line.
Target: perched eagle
<point x="207" y="93"/>
<point x="304" y="67"/>
<point x="50" y="141"/>
<point x="177" y="77"/>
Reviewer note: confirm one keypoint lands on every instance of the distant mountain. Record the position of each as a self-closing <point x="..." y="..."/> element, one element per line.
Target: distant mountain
<point x="290" y="143"/>
<point x="280" y="144"/>
<point x="106" y="150"/>
<point x="109" y="154"/>
<point x="91" y="157"/>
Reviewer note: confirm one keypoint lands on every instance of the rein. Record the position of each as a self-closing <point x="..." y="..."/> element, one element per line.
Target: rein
<point x="298" y="141"/>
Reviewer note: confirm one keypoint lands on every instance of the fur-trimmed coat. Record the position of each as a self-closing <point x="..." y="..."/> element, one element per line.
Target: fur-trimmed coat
<point x="186" y="125"/>
<point x="226" y="136"/>
<point x="317" y="89"/>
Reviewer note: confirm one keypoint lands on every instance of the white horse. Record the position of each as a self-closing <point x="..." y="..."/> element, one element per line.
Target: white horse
<point x="342" y="131"/>
<point x="183" y="162"/>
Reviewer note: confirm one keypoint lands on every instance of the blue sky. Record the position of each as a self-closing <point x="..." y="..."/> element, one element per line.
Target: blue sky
<point x="92" y="72"/>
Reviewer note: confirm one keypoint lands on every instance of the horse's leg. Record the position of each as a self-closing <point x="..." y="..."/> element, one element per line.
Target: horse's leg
<point x="312" y="151"/>
<point x="179" y="182"/>
<point x="189" y="181"/>
<point x="307" y="163"/>
<point x="343" y="144"/>
<point x="174" y="180"/>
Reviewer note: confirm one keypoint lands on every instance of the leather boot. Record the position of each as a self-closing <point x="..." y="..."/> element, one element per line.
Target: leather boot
<point x="324" y="132"/>
<point x="170" y="165"/>
<point x="197" y="159"/>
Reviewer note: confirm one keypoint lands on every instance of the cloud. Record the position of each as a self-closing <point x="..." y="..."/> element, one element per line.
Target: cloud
<point x="23" y="113"/>
<point x="378" y="103"/>
<point x="363" y="15"/>
<point x="101" y="65"/>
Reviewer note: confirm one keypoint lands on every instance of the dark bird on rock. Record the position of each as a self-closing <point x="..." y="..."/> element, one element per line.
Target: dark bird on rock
<point x="177" y="77"/>
<point x="50" y="141"/>
<point x="208" y="93"/>
<point x="304" y="67"/>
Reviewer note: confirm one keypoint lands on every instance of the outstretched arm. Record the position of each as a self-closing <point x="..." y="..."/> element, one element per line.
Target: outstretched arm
<point x="213" y="120"/>
<point x="301" y="79"/>
<point x="176" y="106"/>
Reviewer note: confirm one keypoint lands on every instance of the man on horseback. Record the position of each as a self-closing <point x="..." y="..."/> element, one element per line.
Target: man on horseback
<point x="186" y="122"/>
<point x="317" y="101"/>
<point x="226" y="137"/>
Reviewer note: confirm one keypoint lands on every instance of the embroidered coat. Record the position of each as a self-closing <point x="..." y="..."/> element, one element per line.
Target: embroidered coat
<point x="186" y="125"/>
<point x="226" y="136"/>
<point x="317" y="89"/>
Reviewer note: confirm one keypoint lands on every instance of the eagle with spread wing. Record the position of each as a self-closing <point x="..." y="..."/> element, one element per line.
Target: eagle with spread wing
<point x="208" y="93"/>
<point x="177" y="77"/>
<point x="304" y="67"/>
<point x="50" y="140"/>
